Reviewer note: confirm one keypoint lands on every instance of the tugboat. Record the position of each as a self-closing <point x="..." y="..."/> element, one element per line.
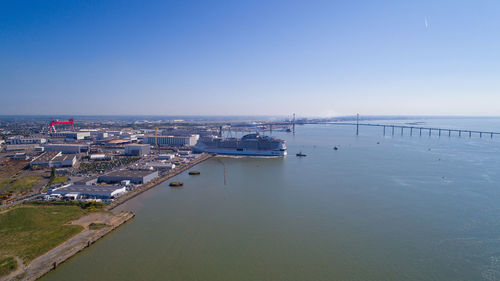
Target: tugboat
<point x="194" y="173"/>
<point x="300" y="154"/>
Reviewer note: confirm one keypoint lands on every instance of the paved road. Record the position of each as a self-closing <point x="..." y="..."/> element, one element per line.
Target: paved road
<point x="32" y="197"/>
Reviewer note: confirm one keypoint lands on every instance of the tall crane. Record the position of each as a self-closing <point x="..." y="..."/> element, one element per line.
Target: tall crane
<point x="52" y="127"/>
<point x="156" y="135"/>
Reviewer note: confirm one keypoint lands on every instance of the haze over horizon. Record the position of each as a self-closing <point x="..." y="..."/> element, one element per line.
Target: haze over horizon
<point x="312" y="58"/>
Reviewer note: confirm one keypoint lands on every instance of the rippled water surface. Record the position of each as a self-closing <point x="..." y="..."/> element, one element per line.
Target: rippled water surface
<point x="378" y="208"/>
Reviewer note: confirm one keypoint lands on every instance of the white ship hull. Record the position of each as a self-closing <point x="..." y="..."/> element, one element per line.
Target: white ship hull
<point x="248" y="145"/>
<point x="241" y="152"/>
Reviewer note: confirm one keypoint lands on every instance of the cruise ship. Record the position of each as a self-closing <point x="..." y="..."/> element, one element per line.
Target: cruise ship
<point x="248" y="145"/>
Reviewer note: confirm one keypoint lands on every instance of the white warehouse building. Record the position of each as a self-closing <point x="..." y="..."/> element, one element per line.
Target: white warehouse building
<point x="22" y="140"/>
<point x="70" y="135"/>
<point x="190" y="140"/>
<point x="67" y="148"/>
<point x="53" y="160"/>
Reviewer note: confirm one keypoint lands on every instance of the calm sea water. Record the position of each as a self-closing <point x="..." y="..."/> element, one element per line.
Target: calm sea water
<point x="379" y="208"/>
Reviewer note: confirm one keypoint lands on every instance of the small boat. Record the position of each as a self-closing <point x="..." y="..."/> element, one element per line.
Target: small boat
<point x="194" y="173"/>
<point x="335" y="148"/>
<point x="300" y="154"/>
<point x="176" y="184"/>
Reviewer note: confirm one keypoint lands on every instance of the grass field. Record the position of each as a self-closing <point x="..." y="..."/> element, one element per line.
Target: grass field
<point x="22" y="184"/>
<point x="58" y="180"/>
<point x="30" y="231"/>
<point x="10" y="168"/>
<point x="7" y="265"/>
<point x="95" y="226"/>
<point x="4" y="183"/>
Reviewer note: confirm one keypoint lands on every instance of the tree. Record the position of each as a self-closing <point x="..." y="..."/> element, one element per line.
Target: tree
<point x="52" y="176"/>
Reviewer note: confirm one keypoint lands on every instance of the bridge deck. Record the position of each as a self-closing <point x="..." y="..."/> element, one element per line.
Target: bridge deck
<point x="430" y="129"/>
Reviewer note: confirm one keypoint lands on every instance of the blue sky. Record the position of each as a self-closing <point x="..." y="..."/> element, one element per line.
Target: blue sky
<point x="314" y="58"/>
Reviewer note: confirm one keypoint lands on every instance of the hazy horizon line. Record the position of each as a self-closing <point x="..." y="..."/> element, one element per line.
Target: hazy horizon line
<point x="248" y="115"/>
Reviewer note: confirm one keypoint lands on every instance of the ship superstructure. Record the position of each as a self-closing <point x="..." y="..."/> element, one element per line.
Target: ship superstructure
<point x="248" y="145"/>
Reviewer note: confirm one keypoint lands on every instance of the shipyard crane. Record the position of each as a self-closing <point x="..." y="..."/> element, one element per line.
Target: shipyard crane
<point x="156" y="135"/>
<point x="52" y="127"/>
<point x="226" y="127"/>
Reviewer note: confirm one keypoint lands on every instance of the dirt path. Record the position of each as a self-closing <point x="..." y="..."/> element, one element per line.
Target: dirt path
<point x="97" y="217"/>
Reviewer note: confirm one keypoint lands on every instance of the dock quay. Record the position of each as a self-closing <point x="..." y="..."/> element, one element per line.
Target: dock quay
<point x="156" y="182"/>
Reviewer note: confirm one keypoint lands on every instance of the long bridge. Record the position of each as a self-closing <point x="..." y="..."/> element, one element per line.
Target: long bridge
<point x="386" y="128"/>
<point x="392" y="129"/>
<point x="418" y="129"/>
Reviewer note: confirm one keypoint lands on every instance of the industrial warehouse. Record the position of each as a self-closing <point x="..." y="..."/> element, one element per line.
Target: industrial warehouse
<point x="134" y="176"/>
<point x="53" y="159"/>
<point x="137" y="149"/>
<point x="86" y="192"/>
<point x="172" y="140"/>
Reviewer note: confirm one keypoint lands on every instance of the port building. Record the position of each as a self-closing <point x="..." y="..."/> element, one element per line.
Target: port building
<point x="67" y="148"/>
<point x="22" y="147"/>
<point x="86" y="181"/>
<point x="166" y="156"/>
<point x="189" y="140"/>
<point x="54" y="159"/>
<point x="137" y="149"/>
<point x="134" y="176"/>
<point x="70" y="135"/>
<point x="100" y="157"/>
<point x="161" y="165"/>
<point x="79" y="192"/>
<point x="20" y="156"/>
<point x="22" y="140"/>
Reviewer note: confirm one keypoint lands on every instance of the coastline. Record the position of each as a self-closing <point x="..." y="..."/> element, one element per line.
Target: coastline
<point x="50" y="260"/>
